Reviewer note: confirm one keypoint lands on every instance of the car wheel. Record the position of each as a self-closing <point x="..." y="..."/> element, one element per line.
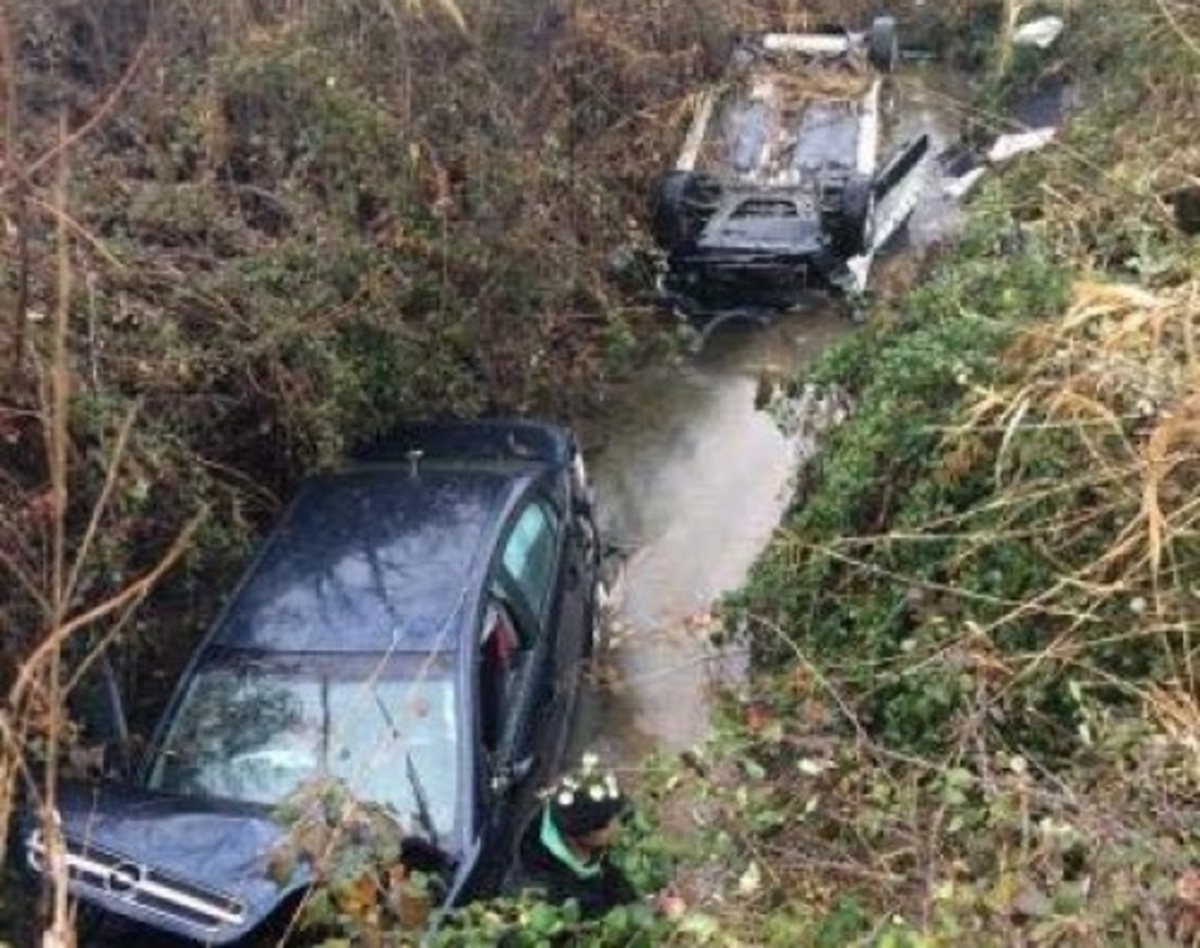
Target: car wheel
<point x="883" y="45"/>
<point x="850" y="227"/>
<point x="683" y="203"/>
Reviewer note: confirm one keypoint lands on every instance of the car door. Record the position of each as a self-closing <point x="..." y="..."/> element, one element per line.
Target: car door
<point x="551" y="561"/>
<point x="514" y="685"/>
<point x="526" y="580"/>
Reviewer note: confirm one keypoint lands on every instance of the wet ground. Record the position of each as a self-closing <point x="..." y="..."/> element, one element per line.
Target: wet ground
<point x="691" y="482"/>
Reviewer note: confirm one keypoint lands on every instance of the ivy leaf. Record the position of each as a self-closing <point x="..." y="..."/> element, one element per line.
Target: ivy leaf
<point x="701" y="927"/>
<point x="751" y="880"/>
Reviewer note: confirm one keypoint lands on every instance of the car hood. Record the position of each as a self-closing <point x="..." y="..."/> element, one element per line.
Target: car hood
<point x="197" y="868"/>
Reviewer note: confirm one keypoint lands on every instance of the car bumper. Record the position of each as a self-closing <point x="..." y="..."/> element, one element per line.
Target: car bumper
<point x="702" y="285"/>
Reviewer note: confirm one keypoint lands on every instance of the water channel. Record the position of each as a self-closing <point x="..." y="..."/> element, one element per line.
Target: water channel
<point x="691" y="481"/>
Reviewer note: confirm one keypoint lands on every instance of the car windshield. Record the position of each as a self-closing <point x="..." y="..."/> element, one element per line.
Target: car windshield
<point x="256" y="729"/>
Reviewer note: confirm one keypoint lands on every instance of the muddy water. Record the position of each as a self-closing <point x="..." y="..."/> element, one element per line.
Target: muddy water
<point x="691" y="482"/>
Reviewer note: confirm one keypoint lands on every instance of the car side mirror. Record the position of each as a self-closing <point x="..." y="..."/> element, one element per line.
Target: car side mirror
<point x="510" y="776"/>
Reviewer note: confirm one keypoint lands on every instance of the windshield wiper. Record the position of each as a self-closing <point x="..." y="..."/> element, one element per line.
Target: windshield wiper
<point x="424" y="816"/>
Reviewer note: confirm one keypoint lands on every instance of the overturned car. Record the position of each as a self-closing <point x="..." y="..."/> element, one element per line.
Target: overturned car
<point x="781" y="188"/>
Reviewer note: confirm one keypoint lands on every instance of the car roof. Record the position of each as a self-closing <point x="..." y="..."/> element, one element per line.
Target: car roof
<point x="374" y="558"/>
<point x="481" y="439"/>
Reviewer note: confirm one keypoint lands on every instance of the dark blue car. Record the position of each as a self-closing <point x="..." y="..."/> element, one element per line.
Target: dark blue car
<point x="414" y="627"/>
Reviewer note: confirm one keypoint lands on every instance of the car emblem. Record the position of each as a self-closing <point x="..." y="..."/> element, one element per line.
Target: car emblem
<point x="124" y="879"/>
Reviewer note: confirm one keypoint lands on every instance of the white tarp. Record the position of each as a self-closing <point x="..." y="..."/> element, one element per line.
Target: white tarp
<point x="958" y="188"/>
<point x="1008" y="146"/>
<point x="1041" y="32"/>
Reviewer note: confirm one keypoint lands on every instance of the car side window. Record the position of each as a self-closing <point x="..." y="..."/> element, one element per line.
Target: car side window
<point x="529" y="554"/>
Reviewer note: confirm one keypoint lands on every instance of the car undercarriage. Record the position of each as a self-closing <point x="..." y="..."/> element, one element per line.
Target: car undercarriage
<point x="779" y="191"/>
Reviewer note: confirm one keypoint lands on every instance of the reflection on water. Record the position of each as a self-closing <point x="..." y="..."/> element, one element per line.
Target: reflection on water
<point x="691" y="480"/>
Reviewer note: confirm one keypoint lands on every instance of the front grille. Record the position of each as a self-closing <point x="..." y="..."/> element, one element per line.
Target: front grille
<point x="97" y="870"/>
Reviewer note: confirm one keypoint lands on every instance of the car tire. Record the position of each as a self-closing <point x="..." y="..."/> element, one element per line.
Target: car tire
<point x="883" y="44"/>
<point x="682" y="204"/>
<point x="850" y="228"/>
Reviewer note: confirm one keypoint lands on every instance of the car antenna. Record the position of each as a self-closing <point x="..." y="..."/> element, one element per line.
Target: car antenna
<point x="414" y="460"/>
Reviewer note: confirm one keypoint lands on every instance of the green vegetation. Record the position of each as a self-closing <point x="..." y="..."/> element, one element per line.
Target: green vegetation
<point x="880" y="540"/>
<point x="278" y="228"/>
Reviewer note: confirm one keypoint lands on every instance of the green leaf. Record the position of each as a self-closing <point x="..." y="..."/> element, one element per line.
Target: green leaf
<point x="700" y="926"/>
